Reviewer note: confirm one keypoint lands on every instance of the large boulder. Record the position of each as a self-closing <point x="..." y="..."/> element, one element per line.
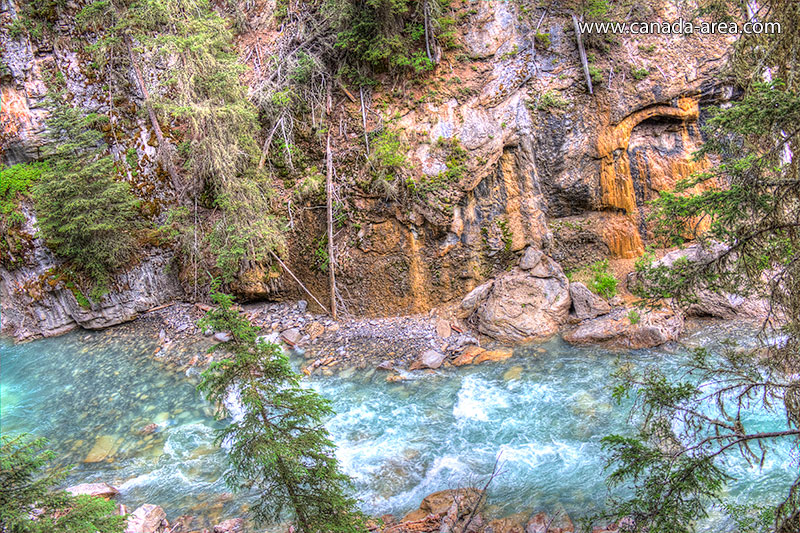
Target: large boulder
<point x="146" y="519"/>
<point x="707" y="302"/>
<point x="521" y="305"/>
<point x="616" y="329"/>
<point x="102" y="490"/>
<point x="586" y="303"/>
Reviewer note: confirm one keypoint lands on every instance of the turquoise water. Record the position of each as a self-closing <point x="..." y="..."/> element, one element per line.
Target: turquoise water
<point x="543" y="412"/>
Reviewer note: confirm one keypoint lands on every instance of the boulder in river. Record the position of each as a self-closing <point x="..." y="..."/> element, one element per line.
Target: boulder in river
<point x="102" y="490"/>
<point x="500" y="354"/>
<point x="468" y="355"/>
<point x="439" y="503"/>
<point x="586" y="303"/>
<point x="510" y="524"/>
<point x="521" y="305"/>
<point x="428" y="359"/>
<point x="615" y="329"/>
<point x="146" y="519"/>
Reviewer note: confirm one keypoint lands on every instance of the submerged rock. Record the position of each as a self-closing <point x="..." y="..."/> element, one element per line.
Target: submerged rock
<point x="105" y="446"/>
<point x="501" y="354"/>
<point x="468" y="355"/>
<point x="439" y="503"/>
<point x="232" y="525"/>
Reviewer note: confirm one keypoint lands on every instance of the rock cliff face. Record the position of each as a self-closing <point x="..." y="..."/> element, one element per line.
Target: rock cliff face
<point x="549" y="166"/>
<point x="37" y="301"/>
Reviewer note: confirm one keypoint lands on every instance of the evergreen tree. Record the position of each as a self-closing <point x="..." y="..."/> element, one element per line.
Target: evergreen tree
<point x="85" y="215"/>
<point x="28" y="503"/>
<point x="749" y="206"/>
<point x="278" y="445"/>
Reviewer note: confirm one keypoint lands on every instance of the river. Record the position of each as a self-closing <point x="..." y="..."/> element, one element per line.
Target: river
<point x="543" y="412"/>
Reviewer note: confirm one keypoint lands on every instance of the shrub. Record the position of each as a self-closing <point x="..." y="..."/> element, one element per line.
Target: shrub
<point x="634" y="317"/>
<point x="551" y="100"/>
<point x="602" y="282"/>
<point x="639" y="73"/>
<point x="542" y="40"/>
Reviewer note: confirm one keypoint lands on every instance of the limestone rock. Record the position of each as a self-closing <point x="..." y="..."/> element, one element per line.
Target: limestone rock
<point x="531" y="258"/>
<point x="102" y="490"/>
<point x="232" y="525"/>
<point x="443" y="328"/>
<point x="586" y="303"/>
<point x="440" y="502"/>
<point x="47" y="307"/>
<point x="472" y="300"/>
<point x="501" y="354"/>
<point x="291" y="336"/>
<point x="146" y="519"/>
<point x="616" y="331"/>
<point x="519" y="306"/>
<point x="468" y="355"/>
<point x="222" y="336"/>
<point x="428" y="359"/>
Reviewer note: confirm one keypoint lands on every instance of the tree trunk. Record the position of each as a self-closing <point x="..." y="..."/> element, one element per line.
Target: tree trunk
<point x="582" y="53"/>
<point x="163" y="150"/>
<point x="331" y="257"/>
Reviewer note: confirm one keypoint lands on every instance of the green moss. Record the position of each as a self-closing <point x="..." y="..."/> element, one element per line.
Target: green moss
<point x="639" y="73"/>
<point x="15" y="182"/>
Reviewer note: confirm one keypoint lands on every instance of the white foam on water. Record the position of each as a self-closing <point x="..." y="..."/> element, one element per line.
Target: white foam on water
<point x="477" y="398"/>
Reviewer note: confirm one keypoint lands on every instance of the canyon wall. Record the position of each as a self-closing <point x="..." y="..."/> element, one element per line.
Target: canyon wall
<point x="547" y="166"/>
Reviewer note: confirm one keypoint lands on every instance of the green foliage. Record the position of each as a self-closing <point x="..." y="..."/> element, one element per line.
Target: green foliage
<point x="321" y="258"/>
<point x="27" y="478"/>
<point x="505" y="235"/>
<point x="203" y="95"/>
<point x="596" y="74"/>
<point x="639" y="73"/>
<point x="634" y="317"/>
<point x="542" y="40"/>
<point x="15" y="182"/>
<point x="670" y="492"/>
<point x="602" y="282"/>
<point x="511" y="53"/>
<point x="84" y="214"/>
<point x="742" y="211"/>
<point x="389" y="35"/>
<point x="387" y="163"/>
<point x="550" y="100"/>
<point x="279" y="447"/>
